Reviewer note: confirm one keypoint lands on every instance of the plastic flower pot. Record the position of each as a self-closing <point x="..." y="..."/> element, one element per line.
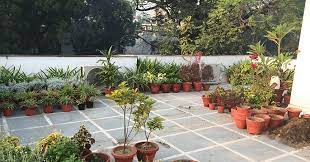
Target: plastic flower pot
<point x="103" y="157"/>
<point x="287" y="99"/>
<point x="124" y="157"/>
<point x="266" y="118"/>
<point x="155" y="88"/>
<point x="220" y="109"/>
<point x="206" y="100"/>
<point x="212" y="106"/>
<point x="243" y="110"/>
<point x="206" y="87"/>
<point x="197" y="86"/>
<point x="255" y="125"/>
<point x="89" y="104"/>
<point x="29" y="111"/>
<point x="187" y="86"/>
<point x="240" y="120"/>
<point x="275" y="120"/>
<point x="7" y="112"/>
<point x="48" y="108"/>
<point x="146" y="155"/>
<point x="293" y="112"/>
<point x="165" y="88"/>
<point x="81" y="106"/>
<point x="176" y="88"/>
<point x="66" y="107"/>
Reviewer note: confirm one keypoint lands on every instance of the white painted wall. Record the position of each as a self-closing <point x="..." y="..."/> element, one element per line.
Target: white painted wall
<point x="301" y="85"/>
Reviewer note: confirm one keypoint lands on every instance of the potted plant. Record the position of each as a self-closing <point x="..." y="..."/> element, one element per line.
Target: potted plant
<point x="166" y="86"/>
<point x="30" y="106"/>
<point x="97" y="157"/>
<point x="84" y="140"/>
<point x="196" y="76"/>
<point x="146" y="150"/>
<point x="91" y="94"/>
<point x="207" y="98"/>
<point x="66" y="103"/>
<point x="128" y="100"/>
<point x="81" y="96"/>
<point x="186" y="77"/>
<point x="7" y="108"/>
<point x="207" y="76"/>
<point x="293" y="112"/>
<point x="47" y="100"/>
<point x="176" y="85"/>
<point x="220" y="108"/>
<point x="276" y="120"/>
<point x="154" y="81"/>
<point x="108" y="72"/>
<point x="255" y="125"/>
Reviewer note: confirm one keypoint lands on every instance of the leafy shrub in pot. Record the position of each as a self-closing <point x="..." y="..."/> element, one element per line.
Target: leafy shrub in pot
<point x="7" y="108"/>
<point x="48" y="100"/>
<point x="186" y="77"/>
<point x="154" y="81"/>
<point x="30" y="106"/>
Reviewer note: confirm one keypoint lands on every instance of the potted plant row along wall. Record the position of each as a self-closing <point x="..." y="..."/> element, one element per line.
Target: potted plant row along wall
<point x="154" y="81"/>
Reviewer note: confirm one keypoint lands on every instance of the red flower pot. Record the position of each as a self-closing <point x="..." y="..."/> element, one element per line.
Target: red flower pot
<point x="258" y="111"/>
<point x="206" y="87"/>
<point x="293" y="112"/>
<point x="48" y="108"/>
<point x="197" y="86"/>
<point x="212" y="106"/>
<point x="255" y="125"/>
<point x="220" y="109"/>
<point x="275" y="120"/>
<point x="108" y="90"/>
<point x="270" y="109"/>
<point x="146" y="155"/>
<point x="243" y="110"/>
<point x="66" y="107"/>
<point x="165" y="88"/>
<point x="306" y="116"/>
<point x="176" y="88"/>
<point x="155" y="88"/>
<point x="233" y="111"/>
<point x="240" y="120"/>
<point x="281" y="111"/>
<point x="7" y="112"/>
<point x="266" y="118"/>
<point x="103" y="157"/>
<point x="206" y="100"/>
<point x="287" y="99"/>
<point x="187" y="86"/>
<point x="29" y="111"/>
<point x="124" y="157"/>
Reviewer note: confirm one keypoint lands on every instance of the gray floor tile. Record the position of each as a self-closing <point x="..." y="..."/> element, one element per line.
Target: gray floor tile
<point x="169" y="128"/>
<point x="72" y="128"/>
<point x="193" y="123"/>
<point x="99" y="113"/>
<point x="219" y="118"/>
<point x="109" y="102"/>
<point x="172" y="114"/>
<point x="98" y="104"/>
<point x="32" y="135"/>
<point x="60" y="118"/>
<point x="101" y="141"/>
<point x="181" y="157"/>
<point x="197" y="110"/>
<point x="188" y="142"/>
<point x="135" y="136"/>
<point x="26" y="122"/>
<point x="160" y="106"/>
<point x="234" y="128"/>
<point x="165" y="151"/>
<point x="178" y="103"/>
<point x="217" y="154"/>
<point x="305" y="153"/>
<point x="220" y="135"/>
<point x="164" y="96"/>
<point x="289" y="159"/>
<point x="275" y="143"/>
<point x="110" y="123"/>
<point x="254" y="150"/>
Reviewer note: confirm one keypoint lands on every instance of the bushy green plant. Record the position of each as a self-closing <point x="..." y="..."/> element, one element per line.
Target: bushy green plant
<point x="240" y="73"/>
<point x="91" y="92"/>
<point x="186" y="73"/>
<point x="55" y="83"/>
<point x="48" y="97"/>
<point x="20" y="87"/>
<point x="12" y="75"/>
<point x="36" y="85"/>
<point x="83" y="138"/>
<point x="30" y="103"/>
<point x="154" y="79"/>
<point x="43" y="145"/>
<point x="7" y="105"/>
<point x="65" y="100"/>
<point x="80" y="95"/>
<point x="60" y="73"/>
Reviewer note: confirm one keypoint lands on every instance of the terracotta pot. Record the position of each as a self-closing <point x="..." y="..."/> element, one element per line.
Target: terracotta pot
<point x="258" y="111"/>
<point x="306" y="116"/>
<point x="233" y="111"/>
<point x="48" y="108"/>
<point x="146" y="155"/>
<point x="29" y="111"/>
<point x="240" y="120"/>
<point x="243" y="110"/>
<point x="124" y="157"/>
<point x="81" y="106"/>
<point x="89" y="104"/>
<point x="275" y="120"/>
<point x="66" y="107"/>
<point x="266" y="118"/>
<point x="293" y="112"/>
<point x="212" y="106"/>
<point x="155" y="88"/>
<point x="187" y="86"/>
<point x="206" y="87"/>
<point x="255" y="125"/>
<point x="165" y="88"/>
<point x="218" y="101"/>
<point x="270" y="109"/>
<point x="220" y="109"/>
<point x="103" y="157"/>
<point x="206" y="100"/>
<point x="281" y="111"/>
<point x="7" y="112"/>
<point x="176" y="88"/>
<point x="197" y="86"/>
<point x="287" y="99"/>
<point x="108" y="90"/>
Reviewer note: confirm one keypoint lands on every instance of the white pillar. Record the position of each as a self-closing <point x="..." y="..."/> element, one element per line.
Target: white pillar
<point x="301" y="87"/>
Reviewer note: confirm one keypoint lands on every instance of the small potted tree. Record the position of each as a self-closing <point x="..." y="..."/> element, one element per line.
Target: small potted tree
<point x="154" y="81"/>
<point x="207" y="76"/>
<point x="85" y="140"/>
<point x="186" y="77"/>
<point x="146" y="150"/>
<point x="7" y="108"/>
<point x="196" y="76"/>
<point x="30" y="106"/>
<point x="108" y="72"/>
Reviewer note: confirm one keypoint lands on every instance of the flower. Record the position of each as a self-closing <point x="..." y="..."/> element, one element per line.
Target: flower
<point x="254" y="66"/>
<point x="254" y="56"/>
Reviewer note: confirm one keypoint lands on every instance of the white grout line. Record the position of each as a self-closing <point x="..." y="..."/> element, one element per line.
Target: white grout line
<point x="48" y="119"/>
<point x="5" y="126"/>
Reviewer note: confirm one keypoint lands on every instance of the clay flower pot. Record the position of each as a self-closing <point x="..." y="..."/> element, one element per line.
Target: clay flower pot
<point x="108" y="90"/>
<point x="155" y="88"/>
<point x="206" y="100"/>
<point x="255" y="125"/>
<point x="275" y="120"/>
<point x="243" y="110"/>
<point x="266" y="118"/>
<point x="212" y="106"/>
<point x="206" y="87"/>
<point x="281" y="111"/>
<point x="293" y="112"/>
<point x="48" y="108"/>
<point x="66" y="107"/>
<point x="287" y="99"/>
<point x="240" y="120"/>
<point x="306" y="116"/>
<point x="176" y="88"/>
<point x="220" y="109"/>
<point x="165" y="88"/>
<point x="233" y="111"/>
<point x="124" y="157"/>
<point x="103" y="157"/>
<point x="29" y="111"/>
<point x="7" y="112"/>
<point x="258" y="111"/>
<point x="197" y="86"/>
<point x="270" y="109"/>
<point x="187" y="86"/>
<point x="146" y="155"/>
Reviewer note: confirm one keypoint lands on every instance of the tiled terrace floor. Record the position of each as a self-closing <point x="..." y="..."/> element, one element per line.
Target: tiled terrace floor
<point x="190" y="132"/>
